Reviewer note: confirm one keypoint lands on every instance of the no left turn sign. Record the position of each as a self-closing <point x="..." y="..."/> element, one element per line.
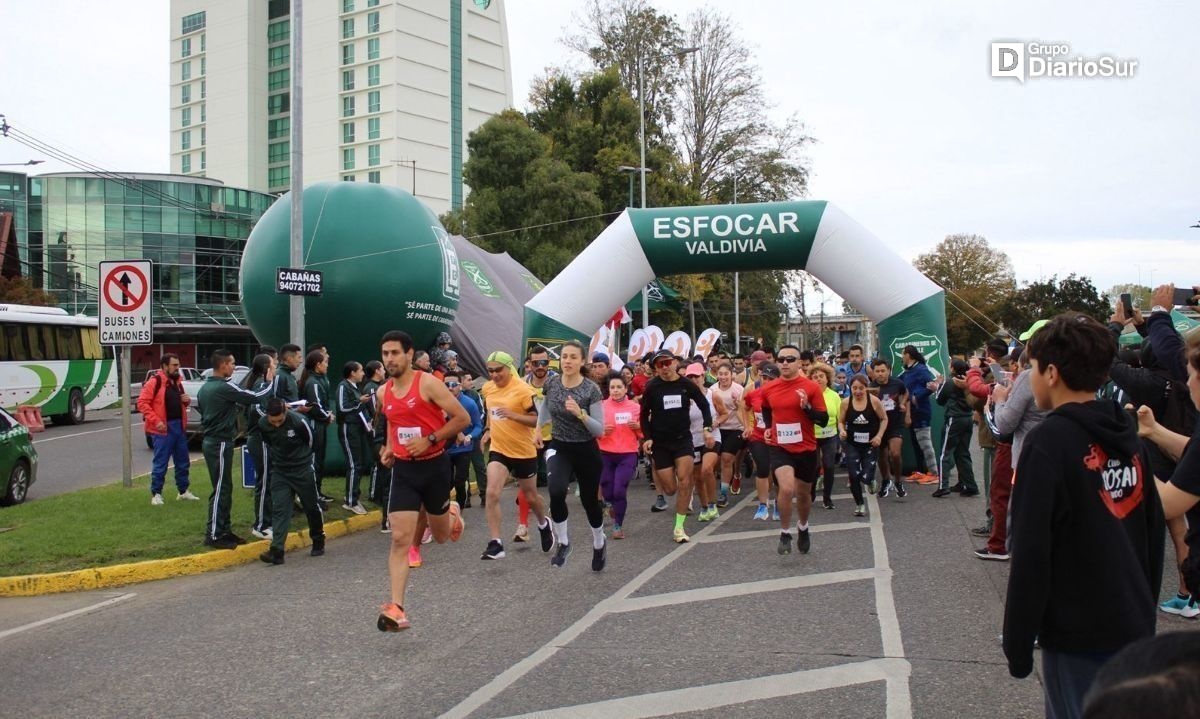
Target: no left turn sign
<point x="125" y="309"/>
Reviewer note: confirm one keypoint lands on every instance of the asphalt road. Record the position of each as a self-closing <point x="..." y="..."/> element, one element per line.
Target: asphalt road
<point x="890" y="616"/>
<point x="88" y="454"/>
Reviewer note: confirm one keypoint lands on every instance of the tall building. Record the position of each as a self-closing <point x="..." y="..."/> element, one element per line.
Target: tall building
<point x="391" y="90"/>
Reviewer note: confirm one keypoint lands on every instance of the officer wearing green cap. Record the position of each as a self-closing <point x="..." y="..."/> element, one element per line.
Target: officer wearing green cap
<point x="290" y="442"/>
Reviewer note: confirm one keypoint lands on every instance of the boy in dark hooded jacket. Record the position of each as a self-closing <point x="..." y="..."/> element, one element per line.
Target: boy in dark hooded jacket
<point x="1087" y="525"/>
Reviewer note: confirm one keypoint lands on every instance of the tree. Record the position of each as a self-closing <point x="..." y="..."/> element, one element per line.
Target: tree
<point x="1140" y="294"/>
<point x="723" y="136"/>
<point x="977" y="278"/>
<point x="1045" y="299"/>
<point x="20" y="291"/>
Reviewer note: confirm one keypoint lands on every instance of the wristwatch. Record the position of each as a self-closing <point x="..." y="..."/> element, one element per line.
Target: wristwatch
<point x="431" y="438"/>
<point x="1160" y="308"/>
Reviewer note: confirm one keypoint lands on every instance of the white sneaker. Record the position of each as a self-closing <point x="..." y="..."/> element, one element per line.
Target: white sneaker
<point x="1191" y="611"/>
<point x="156" y="500"/>
<point x="427" y="537"/>
<point x="187" y="494"/>
<point x="264" y="534"/>
<point x="357" y="508"/>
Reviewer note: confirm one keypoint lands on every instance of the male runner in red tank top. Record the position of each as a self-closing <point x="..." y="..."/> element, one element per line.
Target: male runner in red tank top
<point x="421" y="416"/>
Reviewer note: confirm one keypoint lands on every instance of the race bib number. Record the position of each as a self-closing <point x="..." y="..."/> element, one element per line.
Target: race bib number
<point x="862" y="437"/>
<point x="403" y="434"/>
<point x="495" y="412"/>
<point x="889" y="402"/>
<point x="672" y="401"/>
<point x="758" y="421"/>
<point x="789" y="433"/>
<point x="623" y="418"/>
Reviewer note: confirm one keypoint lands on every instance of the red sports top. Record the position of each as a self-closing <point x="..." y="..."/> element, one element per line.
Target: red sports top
<point x="753" y="400"/>
<point x="793" y="430"/>
<point x="411" y="416"/>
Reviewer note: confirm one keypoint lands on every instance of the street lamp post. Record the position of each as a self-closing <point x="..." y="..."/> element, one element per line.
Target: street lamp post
<point x="642" y="131"/>
<point x="27" y="163"/>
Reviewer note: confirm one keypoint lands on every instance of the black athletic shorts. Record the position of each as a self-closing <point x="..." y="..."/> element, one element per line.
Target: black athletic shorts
<point x="421" y="483"/>
<point x="895" y="427"/>
<point x="731" y="441"/>
<point x="699" y="452"/>
<point x="664" y="452"/>
<point x="805" y="464"/>
<point x="760" y="452"/>
<point x="519" y="468"/>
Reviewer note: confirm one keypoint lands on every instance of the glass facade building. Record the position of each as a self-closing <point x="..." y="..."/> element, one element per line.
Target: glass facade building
<point x="14" y="198"/>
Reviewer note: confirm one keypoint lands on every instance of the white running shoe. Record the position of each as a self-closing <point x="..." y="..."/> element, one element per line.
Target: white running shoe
<point x="357" y="508"/>
<point x="263" y="533"/>
<point x="427" y="537"/>
<point x="156" y="500"/>
<point x="187" y="495"/>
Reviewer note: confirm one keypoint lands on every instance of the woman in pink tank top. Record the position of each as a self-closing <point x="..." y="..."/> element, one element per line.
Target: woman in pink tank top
<point x="619" y="449"/>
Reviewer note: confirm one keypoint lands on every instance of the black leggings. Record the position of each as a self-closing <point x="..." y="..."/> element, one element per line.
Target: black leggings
<point x="827" y="446"/>
<point x="460" y="465"/>
<point x="581" y="461"/>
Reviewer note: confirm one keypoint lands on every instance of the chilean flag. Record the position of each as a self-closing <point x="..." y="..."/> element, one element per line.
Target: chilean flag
<point x="619" y="317"/>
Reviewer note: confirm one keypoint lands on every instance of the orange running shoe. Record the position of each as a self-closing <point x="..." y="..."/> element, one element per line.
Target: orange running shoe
<point x="414" y="556"/>
<point x="457" y="525"/>
<point x="392" y="618"/>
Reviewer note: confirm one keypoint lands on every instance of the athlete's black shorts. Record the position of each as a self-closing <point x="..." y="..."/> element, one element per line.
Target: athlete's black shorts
<point x="699" y="452"/>
<point x="520" y="468"/>
<point x="731" y="441"/>
<point x="421" y="483"/>
<point x="805" y="464"/>
<point x="895" y="426"/>
<point x="664" y="452"/>
<point x="760" y="452"/>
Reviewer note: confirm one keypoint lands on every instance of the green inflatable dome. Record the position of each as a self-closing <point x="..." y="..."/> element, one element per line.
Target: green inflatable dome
<point x="387" y="263"/>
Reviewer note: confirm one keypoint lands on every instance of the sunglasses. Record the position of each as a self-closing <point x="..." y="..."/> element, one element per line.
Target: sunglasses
<point x="494" y="370"/>
<point x="789" y="359"/>
<point x="664" y="363"/>
<point x="451" y="385"/>
<point x="540" y="363"/>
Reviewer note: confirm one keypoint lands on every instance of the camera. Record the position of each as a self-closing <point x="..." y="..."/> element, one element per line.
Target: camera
<point x="1185" y="296"/>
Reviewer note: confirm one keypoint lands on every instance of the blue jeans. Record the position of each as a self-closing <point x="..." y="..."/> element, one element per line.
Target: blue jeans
<point x="1066" y="679"/>
<point x="170" y="446"/>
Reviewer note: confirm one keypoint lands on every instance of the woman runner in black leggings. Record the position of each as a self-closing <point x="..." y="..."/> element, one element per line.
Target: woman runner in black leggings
<point x="861" y="426"/>
<point x="574" y="408"/>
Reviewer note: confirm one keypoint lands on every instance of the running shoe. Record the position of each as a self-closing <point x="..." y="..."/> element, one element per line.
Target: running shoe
<point x="392" y="618"/>
<point x="708" y="514"/>
<point x="262" y="533"/>
<point x="679" y="535"/>
<point x="660" y="504"/>
<point x="723" y="499"/>
<point x="871" y="486"/>
<point x="357" y="508"/>
<point x="560" y="555"/>
<point x="156" y="500"/>
<point x="785" y="543"/>
<point x="774" y="512"/>
<point x="915" y="476"/>
<point x="1191" y="611"/>
<point x="235" y="538"/>
<point x="827" y="504"/>
<point x="220" y="543"/>
<point x="735" y="487"/>
<point x="457" y="525"/>
<point x="900" y="490"/>
<point x="495" y="550"/>
<point x="992" y="556"/>
<point x="1175" y="605"/>
<point x="414" y="556"/>
<point x="860" y="510"/>
<point x="886" y="489"/>
<point x="187" y="495"/>
<point x="324" y="498"/>
<point x="804" y="541"/>
<point x="941" y="492"/>
<point x="427" y="537"/>
<point x="546" y="534"/>
<point x="599" y="557"/>
<point x="984" y="531"/>
<point x="969" y="493"/>
<point x="318" y="547"/>
<point x="930" y="478"/>
<point x="958" y="488"/>
<point x="762" y="513"/>
<point x="272" y="556"/>
<point x="618" y="532"/>
<point x="522" y="534"/>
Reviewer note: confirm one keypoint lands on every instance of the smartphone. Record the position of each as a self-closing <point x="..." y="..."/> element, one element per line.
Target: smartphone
<point x="1184" y="296"/>
<point x="1127" y="304"/>
<point x="997" y="373"/>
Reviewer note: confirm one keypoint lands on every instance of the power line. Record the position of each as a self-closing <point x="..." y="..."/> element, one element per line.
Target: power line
<point x="545" y="224"/>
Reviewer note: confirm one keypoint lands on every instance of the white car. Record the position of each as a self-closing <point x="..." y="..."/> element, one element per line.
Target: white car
<point x="192" y="387"/>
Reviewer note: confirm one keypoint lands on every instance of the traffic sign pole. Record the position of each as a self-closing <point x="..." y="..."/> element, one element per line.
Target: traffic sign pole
<point x="126" y="319"/>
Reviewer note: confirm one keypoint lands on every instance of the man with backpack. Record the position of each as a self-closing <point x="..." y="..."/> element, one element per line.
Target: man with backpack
<point x="163" y="403"/>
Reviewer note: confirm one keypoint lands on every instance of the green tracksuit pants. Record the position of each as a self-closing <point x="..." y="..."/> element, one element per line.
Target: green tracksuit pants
<point x="285" y="485"/>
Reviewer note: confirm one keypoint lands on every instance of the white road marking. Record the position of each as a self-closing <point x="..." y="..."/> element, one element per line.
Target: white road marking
<point x="899" y="694"/>
<point x="723" y="591"/>
<point x="774" y="532"/>
<point x="65" y="615"/>
<point x="79" y="434"/>
<point x="726" y="694"/>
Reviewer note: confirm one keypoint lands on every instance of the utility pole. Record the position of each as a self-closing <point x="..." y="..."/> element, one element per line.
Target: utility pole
<point x="296" y="302"/>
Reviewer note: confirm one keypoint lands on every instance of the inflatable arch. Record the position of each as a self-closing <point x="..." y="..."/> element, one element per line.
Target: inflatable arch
<point x="907" y="307"/>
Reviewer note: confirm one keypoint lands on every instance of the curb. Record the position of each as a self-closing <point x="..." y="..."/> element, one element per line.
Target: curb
<point x="121" y="574"/>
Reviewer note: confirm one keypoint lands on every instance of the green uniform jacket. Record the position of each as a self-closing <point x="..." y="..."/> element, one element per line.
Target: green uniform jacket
<point x="258" y="410"/>
<point x="349" y="408"/>
<point x="220" y="404"/>
<point x="316" y="391"/>
<point x="286" y="386"/>
<point x="954" y="399"/>
<point x="290" y="443"/>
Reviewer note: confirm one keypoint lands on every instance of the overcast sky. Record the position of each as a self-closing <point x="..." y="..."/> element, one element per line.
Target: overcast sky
<point x="915" y="139"/>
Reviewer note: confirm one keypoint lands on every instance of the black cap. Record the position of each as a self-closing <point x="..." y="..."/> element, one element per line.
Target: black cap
<point x="769" y="370"/>
<point x="662" y="354"/>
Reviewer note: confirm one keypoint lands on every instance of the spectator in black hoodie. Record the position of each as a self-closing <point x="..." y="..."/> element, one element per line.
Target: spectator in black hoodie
<point x="1087" y="526"/>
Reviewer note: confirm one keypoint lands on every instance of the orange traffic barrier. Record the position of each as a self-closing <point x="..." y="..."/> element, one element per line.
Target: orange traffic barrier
<point x="31" y="416"/>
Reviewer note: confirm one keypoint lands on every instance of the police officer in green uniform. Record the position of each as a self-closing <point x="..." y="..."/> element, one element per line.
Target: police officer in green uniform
<point x="372" y="378"/>
<point x="286" y="386"/>
<point x="221" y="403"/>
<point x="290" y="443"/>
<point x="314" y="386"/>
<point x="354" y="432"/>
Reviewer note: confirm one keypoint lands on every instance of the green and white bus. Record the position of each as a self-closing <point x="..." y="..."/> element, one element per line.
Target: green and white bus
<point x="54" y="360"/>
